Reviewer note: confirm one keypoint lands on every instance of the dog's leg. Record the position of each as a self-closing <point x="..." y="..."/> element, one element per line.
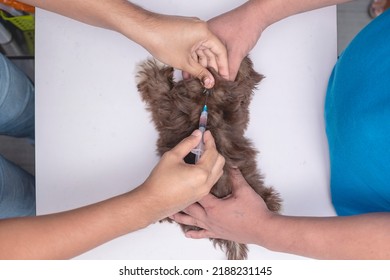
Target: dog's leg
<point x="154" y="80"/>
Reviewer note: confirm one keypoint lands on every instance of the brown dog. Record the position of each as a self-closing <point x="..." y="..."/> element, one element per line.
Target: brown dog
<point x="176" y="107"/>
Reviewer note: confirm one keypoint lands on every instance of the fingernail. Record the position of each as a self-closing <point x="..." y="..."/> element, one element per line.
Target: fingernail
<point x="207" y="83"/>
<point x="196" y="132"/>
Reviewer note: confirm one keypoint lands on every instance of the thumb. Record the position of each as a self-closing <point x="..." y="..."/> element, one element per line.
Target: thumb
<point x="208" y="200"/>
<point x="185" y="75"/>
<point x="238" y="181"/>
<point x="234" y="65"/>
<point x="187" y="144"/>
<point x="200" y="72"/>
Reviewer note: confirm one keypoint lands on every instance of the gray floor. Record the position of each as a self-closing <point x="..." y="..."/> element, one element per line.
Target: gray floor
<point x="352" y="17"/>
<point x="18" y="151"/>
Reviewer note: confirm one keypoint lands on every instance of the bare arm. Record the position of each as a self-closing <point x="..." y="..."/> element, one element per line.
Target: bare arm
<point x="241" y="28"/>
<point x="182" y="42"/>
<point x="284" y="8"/>
<point x="244" y="217"/>
<point x="353" y="237"/>
<point x="68" y="234"/>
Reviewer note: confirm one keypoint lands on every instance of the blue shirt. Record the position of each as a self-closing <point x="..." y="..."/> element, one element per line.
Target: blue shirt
<point x="357" y="114"/>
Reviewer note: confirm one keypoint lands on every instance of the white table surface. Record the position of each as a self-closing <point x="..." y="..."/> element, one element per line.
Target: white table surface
<point x="94" y="138"/>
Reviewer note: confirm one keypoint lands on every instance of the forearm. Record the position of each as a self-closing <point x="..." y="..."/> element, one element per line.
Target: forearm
<point x="171" y="186"/>
<point x="355" y="237"/>
<point x="185" y="43"/>
<point x="68" y="234"/>
<point x="117" y="15"/>
<point x="271" y="11"/>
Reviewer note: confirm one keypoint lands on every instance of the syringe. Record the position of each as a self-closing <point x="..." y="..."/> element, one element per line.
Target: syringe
<point x="198" y="151"/>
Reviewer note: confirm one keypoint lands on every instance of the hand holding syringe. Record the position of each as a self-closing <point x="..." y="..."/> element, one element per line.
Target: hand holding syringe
<point x="198" y="151"/>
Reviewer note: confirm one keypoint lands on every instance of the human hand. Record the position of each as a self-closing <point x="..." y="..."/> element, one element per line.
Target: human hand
<point x="187" y="43"/>
<point x="173" y="184"/>
<point x="239" y="30"/>
<point x="237" y="217"/>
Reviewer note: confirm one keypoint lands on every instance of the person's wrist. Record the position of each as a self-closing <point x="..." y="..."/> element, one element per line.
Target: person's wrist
<point x="259" y="14"/>
<point x="251" y="15"/>
<point x="267" y="230"/>
<point x="136" y="24"/>
<point x="146" y="205"/>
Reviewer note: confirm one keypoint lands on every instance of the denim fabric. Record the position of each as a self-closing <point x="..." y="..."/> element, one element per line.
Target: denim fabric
<point x="16" y="101"/>
<point x="17" y="191"/>
<point x="17" y="187"/>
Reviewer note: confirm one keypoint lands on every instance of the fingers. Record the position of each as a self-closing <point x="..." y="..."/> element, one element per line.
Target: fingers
<point x="187" y="144"/>
<point x="195" y="69"/>
<point x="234" y="65"/>
<point x="202" y="58"/>
<point x="186" y="75"/>
<point x="207" y="59"/>
<point x="199" y="234"/>
<point x="211" y="53"/>
<point x="209" y="141"/>
<point x="185" y="219"/>
<point x="206" y="202"/>
<point x="217" y="51"/>
<point x="237" y="179"/>
<point x="195" y="212"/>
<point x="211" y="159"/>
<point x="235" y="175"/>
<point x="192" y="216"/>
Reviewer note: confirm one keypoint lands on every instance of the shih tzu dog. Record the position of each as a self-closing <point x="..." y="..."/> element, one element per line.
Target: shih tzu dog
<point x="175" y="108"/>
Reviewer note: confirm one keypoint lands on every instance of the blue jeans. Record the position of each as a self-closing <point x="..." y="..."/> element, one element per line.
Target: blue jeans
<point x="17" y="187"/>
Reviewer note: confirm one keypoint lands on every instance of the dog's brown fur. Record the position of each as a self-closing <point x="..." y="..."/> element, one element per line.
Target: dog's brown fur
<point x="176" y="107"/>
